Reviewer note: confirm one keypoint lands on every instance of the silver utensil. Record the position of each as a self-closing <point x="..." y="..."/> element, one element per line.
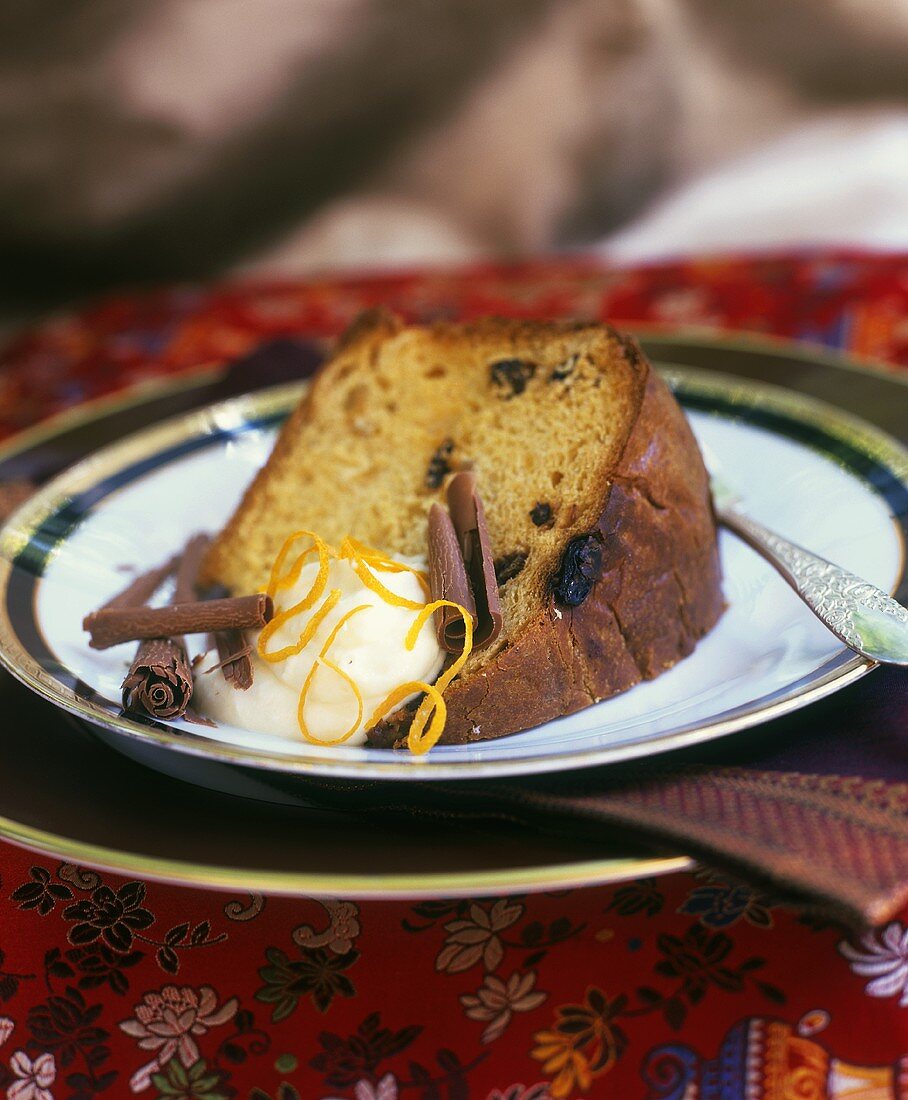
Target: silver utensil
<point x="863" y="616"/>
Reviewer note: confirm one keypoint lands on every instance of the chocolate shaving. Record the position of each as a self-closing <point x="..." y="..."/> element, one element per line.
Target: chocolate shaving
<point x="234" y="653"/>
<point x="448" y="580"/>
<point x="159" y="680"/>
<point x="233" y="650"/>
<point x="188" y="569"/>
<point x="193" y="716"/>
<point x="468" y="518"/>
<point x="125" y="624"/>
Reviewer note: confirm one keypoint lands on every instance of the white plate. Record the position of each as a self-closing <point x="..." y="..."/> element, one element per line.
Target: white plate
<point x="815" y="475"/>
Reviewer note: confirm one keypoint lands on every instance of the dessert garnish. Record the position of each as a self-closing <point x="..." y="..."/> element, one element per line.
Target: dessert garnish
<point x="234" y="652"/>
<point x="420" y="739"/>
<point x="469" y="520"/>
<point x="159" y="680"/>
<point x="367" y="564"/>
<point x="236" y="655"/>
<point x="448" y="580"/>
<point x="113" y="625"/>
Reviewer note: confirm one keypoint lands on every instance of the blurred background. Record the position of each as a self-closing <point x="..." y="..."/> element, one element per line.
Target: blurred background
<point x="146" y="141"/>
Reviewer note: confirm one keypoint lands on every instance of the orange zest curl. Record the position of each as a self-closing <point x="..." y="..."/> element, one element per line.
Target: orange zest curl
<point x="369" y="579"/>
<point x="323" y="659"/>
<point x="416" y="742"/>
<point x="353" y="548"/>
<point x="364" y="559"/>
<point x="420" y="739"/>
<point x="269" y="629"/>
<point x="429" y="721"/>
<point x="423" y="617"/>
<point x="276" y="581"/>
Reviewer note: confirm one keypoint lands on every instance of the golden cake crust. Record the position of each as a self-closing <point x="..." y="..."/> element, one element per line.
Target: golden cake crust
<point x="659" y="591"/>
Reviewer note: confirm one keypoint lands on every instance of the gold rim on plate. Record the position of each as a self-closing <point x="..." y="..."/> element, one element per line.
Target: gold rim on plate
<point x="399" y="886"/>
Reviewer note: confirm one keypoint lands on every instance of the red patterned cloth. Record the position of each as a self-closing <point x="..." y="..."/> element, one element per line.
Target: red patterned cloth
<point x="685" y="986"/>
<point x="641" y="990"/>
<point x="853" y="303"/>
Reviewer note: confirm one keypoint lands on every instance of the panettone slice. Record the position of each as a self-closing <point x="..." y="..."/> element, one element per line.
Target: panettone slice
<point x="595" y="494"/>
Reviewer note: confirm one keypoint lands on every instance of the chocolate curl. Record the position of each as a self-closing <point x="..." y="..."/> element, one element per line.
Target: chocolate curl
<point x="469" y="520"/>
<point x="159" y="680"/>
<point x="114" y="625"/>
<point x="235" y="658"/>
<point x="234" y="652"/>
<point x="448" y="581"/>
<point x="235" y="655"/>
<point x="190" y="562"/>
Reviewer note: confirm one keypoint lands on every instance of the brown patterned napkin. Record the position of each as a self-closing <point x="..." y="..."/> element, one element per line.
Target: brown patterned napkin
<point x="812" y="807"/>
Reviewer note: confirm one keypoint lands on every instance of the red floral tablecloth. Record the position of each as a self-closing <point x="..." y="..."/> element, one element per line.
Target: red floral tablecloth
<point x="680" y="987"/>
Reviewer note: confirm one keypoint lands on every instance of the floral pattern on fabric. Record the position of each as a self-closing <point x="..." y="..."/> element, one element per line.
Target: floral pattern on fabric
<point x="496" y="1001"/>
<point x="844" y="301"/>
<point x="168" y="1022"/>
<point x="626" y="990"/>
<point x="33" y="1079"/>
<point x="882" y="956"/>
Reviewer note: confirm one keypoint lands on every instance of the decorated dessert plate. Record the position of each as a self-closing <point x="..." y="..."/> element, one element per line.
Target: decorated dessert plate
<point x="813" y="473"/>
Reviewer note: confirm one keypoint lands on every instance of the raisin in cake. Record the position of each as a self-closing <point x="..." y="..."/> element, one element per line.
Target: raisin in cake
<point x="595" y="494"/>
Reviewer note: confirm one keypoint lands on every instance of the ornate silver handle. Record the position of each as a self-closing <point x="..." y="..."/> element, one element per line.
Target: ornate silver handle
<point x="862" y="615"/>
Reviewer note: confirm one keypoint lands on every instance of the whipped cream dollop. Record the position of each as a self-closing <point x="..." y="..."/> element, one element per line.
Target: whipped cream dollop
<point x="369" y="648"/>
